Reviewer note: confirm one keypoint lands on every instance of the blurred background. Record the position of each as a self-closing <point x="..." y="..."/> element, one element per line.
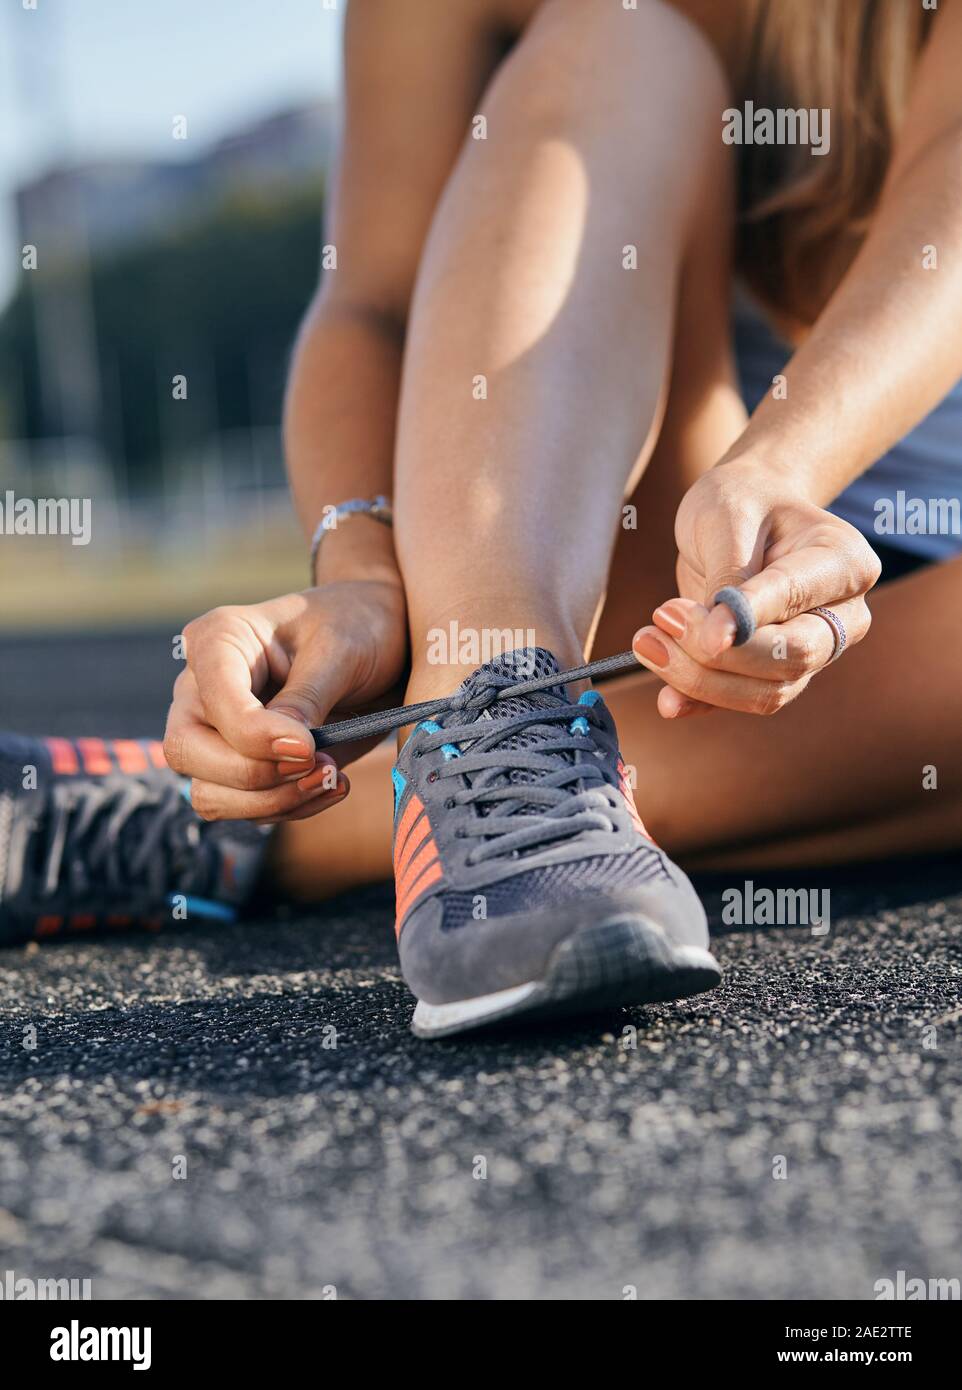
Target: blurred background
<point x="168" y="162"/>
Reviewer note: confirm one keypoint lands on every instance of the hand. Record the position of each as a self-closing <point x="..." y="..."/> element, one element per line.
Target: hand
<point x="259" y="676"/>
<point x="744" y="526"/>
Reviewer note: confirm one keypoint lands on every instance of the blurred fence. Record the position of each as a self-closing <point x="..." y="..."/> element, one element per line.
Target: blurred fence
<point x="216" y="527"/>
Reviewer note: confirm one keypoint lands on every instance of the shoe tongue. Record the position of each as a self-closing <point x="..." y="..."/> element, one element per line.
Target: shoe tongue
<point x="520" y="665"/>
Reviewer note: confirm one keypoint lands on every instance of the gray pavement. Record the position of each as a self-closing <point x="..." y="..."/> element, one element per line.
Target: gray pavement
<point x="325" y="1147"/>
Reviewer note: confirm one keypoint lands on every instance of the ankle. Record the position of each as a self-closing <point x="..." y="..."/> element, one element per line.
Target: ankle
<point x="450" y="650"/>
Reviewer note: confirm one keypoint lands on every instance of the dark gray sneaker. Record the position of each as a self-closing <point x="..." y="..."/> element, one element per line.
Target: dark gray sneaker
<point x="526" y="882"/>
<point x="97" y="834"/>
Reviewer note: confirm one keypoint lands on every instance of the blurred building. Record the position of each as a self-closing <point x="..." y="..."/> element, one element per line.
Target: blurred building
<point x="197" y="269"/>
<point x="106" y="205"/>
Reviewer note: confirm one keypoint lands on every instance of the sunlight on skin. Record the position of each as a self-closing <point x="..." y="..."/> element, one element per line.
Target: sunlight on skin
<point x="538" y="266"/>
<point x="538" y="263"/>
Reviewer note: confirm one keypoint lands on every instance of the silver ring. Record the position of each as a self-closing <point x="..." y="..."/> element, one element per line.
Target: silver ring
<point x="838" y="631"/>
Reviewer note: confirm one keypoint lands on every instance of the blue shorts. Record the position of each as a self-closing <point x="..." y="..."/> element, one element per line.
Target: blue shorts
<point x="909" y="503"/>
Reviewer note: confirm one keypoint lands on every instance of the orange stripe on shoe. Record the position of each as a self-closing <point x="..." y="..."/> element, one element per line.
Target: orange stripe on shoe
<point x="412" y="844"/>
<point x="427" y="879"/>
<point x="416" y="866"/>
<point x="638" y="823"/>
<point x="629" y="798"/>
<point x="411" y="812"/>
<point x="63" y="756"/>
<point x="48" y="926"/>
<point x="131" y="756"/>
<point x="155" y="751"/>
<point x="97" y="760"/>
<point x="82" y="921"/>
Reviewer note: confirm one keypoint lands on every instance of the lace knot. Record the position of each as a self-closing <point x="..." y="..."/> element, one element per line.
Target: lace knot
<point x="479" y="695"/>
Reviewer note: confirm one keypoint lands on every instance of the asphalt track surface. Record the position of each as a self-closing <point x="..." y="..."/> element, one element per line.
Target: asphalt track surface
<point x="354" y="1166"/>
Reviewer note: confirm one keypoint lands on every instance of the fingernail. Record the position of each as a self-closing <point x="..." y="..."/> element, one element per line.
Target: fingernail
<point x="321" y="777"/>
<point x="304" y="767"/>
<point x="647" y="646"/>
<point x="290" y="750"/>
<point x="337" y="793"/>
<point x="667" y="618"/>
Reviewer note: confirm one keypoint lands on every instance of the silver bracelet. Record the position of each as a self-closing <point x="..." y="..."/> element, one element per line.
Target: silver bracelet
<point x="377" y="507"/>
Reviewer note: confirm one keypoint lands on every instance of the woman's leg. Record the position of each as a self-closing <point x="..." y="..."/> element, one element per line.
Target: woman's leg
<point x="535" y="369"/>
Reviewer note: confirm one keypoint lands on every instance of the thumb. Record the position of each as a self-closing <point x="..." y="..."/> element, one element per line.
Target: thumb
<point x="733" y="552"/>
<point x="310" y="691"/>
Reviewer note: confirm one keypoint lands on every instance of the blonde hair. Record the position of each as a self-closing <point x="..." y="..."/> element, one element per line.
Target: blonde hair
<point x="803" y="218"/>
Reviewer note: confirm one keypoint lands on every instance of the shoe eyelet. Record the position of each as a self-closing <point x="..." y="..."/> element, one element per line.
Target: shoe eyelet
<point x="449" y="804"/>
<point x="432" y="775"/>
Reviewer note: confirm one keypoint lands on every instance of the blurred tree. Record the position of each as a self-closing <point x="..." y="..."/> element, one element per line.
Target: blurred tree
<point x="216" y="300"/>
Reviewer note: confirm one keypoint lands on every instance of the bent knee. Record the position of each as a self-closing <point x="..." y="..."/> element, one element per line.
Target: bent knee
<point x="643" y="70"/>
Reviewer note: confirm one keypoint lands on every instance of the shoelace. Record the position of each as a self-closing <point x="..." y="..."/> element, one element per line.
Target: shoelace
<point x="513" y="816"/>
<point x="84" y="840"/>
<point x="384" y="721"/>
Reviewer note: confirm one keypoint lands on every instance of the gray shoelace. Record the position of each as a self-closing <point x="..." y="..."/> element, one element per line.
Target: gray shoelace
<point x="86" y="839"/>
<point x="516" y="799"/>
<point x="484" y="693"/>
<point x="384" y="721"/>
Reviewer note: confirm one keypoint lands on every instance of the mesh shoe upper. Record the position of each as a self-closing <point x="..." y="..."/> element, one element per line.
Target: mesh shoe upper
<point x="98" y="833"/>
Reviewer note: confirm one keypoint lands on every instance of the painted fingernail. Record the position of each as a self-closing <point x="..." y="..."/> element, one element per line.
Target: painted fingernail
<point x="332" y="797"/>
<point x="324" y="776"/>
<point x="669" y="619"/>
<point x="648" y="647"/>
<point x="291" y="750"/>
<point x="302" y="768"/>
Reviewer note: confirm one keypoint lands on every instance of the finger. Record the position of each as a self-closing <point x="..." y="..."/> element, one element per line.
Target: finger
<point x="662" y="655"/>
<point x="780" y="651"/>
<point x="672" y="705"/>
<point x="194" y="749"/>
<point x="313" y="807"/>
<point x="216" y="803"/>
<point x="705" y="634"/>
<point x="312" y="688"/>
<point x="730" y="621"/>
<point x="229" y="660"/>
<point x="816" y="575"/>
<point x="732" y="552"/>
